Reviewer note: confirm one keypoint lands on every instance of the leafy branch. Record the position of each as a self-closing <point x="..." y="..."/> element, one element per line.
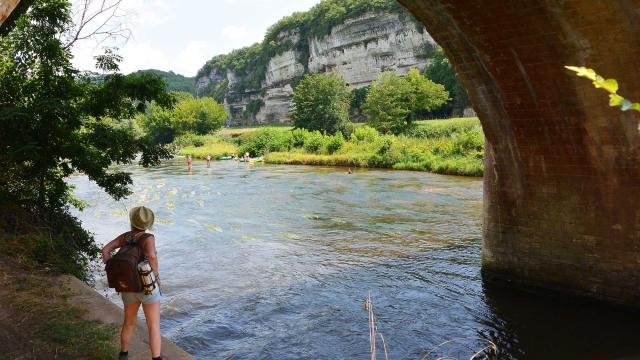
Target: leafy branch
<point x="610" y="85"/>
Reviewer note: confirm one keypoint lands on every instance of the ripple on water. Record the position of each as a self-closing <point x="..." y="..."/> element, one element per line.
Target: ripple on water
<point x="274" y="262"/>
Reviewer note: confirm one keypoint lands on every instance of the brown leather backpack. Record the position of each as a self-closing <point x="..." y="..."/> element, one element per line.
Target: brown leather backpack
<point x="122" y="268"/>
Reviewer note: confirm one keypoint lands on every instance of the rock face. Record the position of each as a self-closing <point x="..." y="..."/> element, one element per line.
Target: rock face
<point x="359" y="49"/>
<point x="363" y="48"/>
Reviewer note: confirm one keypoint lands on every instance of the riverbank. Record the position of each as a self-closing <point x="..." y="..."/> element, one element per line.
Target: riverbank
<point x="57" y="316"/>
<point x="449" y="147"/>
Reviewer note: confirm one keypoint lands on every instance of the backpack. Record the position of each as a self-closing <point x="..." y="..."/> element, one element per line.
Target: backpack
<point x="122" y="268"/>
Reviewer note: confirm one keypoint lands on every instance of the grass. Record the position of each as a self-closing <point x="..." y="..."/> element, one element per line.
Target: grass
<point x="237" y="131"/>
<point x="215" y="150"/>
<point x="40" y="312"/>
<point x="452" y="147"/>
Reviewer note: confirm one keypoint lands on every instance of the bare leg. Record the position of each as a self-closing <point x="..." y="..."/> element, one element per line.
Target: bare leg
<point x="152" y="315"/>
<point x="130" y="317"/>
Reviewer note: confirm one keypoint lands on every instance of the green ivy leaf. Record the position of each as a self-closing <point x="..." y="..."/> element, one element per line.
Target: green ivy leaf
<point x="583" y="71"/>
<point x="611" y="85"/>
<point x="615" y="100"/>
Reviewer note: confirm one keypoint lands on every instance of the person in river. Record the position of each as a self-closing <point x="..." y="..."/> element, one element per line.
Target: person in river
<point x="189" y="162"/>
<point x="208" y="161"/>
<point x="247" y="157"/>
<point x="141" y="219"/>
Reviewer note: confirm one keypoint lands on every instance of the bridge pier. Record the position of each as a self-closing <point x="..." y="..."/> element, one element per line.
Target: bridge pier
<point x="562" y="168"/>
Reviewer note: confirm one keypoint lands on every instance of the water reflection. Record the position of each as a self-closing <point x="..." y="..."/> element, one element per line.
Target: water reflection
<point x="274" y="262"/>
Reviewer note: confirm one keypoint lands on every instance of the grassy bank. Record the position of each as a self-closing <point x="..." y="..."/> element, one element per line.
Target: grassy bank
<point x="40" y="322"/>
<point x="452" y="146"/>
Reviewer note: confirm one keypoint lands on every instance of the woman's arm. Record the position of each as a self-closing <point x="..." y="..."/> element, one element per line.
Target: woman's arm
<point x="151" y="253"/>
<point x="112" y="245"/>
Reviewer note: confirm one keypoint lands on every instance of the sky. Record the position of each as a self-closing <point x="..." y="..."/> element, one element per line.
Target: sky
<point x="180" y="36"/>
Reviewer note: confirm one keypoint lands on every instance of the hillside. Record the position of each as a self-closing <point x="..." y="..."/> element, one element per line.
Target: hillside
<point x="358" y="39"/>
<point x="175" y="82"/>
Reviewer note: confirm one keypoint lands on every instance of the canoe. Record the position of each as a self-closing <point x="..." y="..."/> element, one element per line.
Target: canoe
<point x="225" y="158"/>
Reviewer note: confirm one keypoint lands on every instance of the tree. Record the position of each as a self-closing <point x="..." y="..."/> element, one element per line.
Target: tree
<point x="321" y="102"/>
<point x="199" y="116"/>
<point x="190" y="115"/>
<point x="441" y="72"/>
<point x="54" y="122"/>
<point x="393" y="102"/>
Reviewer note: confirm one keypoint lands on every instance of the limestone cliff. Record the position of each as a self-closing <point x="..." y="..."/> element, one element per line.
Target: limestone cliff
<point x="359" y="49"/>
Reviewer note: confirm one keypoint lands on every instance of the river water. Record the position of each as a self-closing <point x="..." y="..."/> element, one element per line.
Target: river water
<point x="275" y="262"/>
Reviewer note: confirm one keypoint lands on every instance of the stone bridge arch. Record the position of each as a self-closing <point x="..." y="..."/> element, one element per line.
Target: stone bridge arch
<point x="562" y="169"/>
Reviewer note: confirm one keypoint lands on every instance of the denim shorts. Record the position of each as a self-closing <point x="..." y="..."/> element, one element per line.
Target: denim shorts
<point x="140" y="297"/>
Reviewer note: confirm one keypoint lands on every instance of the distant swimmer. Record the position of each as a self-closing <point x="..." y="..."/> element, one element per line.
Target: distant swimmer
<point x="189" y="162"/>
<point x="208" y="161"/>
<point x="247" y="157"/>
<point x="350" y="172"/>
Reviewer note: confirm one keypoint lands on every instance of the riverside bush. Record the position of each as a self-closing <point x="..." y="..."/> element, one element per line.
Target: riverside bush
<point x="365" y="134"/>
<point x="452" y="147"/>
<point x="265" y="140"/>
<point x="314" y="142"/>
<point x="335" y="142"/>
<point x="191" y="139"/>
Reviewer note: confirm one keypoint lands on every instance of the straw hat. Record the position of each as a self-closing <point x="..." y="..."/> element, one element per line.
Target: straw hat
<point x="141" y="217"/>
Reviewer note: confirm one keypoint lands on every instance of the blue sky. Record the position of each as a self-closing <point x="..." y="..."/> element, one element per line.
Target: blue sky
<point x="182" y="35"/>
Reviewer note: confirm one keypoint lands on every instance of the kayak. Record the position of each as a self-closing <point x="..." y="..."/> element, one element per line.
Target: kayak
<point x="225" y="158"/>
<point x="258" y="159"/>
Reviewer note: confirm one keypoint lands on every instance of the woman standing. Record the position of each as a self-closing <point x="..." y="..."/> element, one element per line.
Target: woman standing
<point x="141" y="219"/>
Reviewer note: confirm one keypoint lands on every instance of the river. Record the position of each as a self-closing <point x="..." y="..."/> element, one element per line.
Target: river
<point x="275" y="262"/>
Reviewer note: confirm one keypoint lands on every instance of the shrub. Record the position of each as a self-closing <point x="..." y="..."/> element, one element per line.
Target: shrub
<point x="335" y="142"/>
<point x="299" y="136"/>
<point x="365" y="134"/>
<point x="191" y="139"/>
<point x="265" y="140"/>
<point x="348" y="129"/>
<point x="314" y="142"/>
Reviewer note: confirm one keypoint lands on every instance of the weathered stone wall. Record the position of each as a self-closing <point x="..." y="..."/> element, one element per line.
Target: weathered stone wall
<point x="364" y="47"/>
<point x="562" y="169"/>
<point x="359" y="50"/>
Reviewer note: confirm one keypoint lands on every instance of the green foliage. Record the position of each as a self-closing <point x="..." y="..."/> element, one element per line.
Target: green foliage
<point x="54" y="240"/>
<point x="335" y="142"/>
<point x="365" y="134"/>
<point x="299" y="136"/>
<point x="191" y="139"/>
<point x="215" y="149"/>
<point x="314" y="141"/>
<point x="433" y="129"/>
<point x="321" y="102"/>
<point x="265" y="140"/>
<point x="358" y="97"/>
<point x="54" y="122"/>
<point x="447" y="146"/>
<point x="394" y="101"/>
<point x="610" y="85"/>
<point x="189" y="116"/>
<point x="252" y="108"/>
<point x="440" y="71"/>
<point x="174" y="82"/>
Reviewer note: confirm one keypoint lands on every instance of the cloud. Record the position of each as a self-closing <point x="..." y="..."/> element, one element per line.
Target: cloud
<point x="192" y="57"/>
<point x="139" y="56"/>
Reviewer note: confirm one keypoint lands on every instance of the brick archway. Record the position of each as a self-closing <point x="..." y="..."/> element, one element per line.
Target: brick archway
<point x="562" y="169"/>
